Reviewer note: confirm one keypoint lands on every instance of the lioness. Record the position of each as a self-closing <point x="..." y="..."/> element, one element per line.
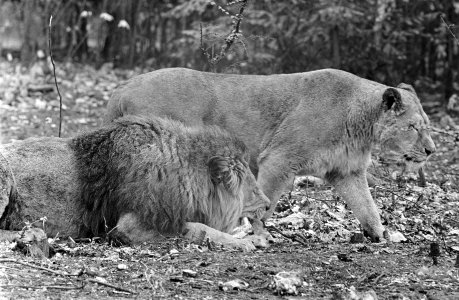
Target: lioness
<point x="322" y="123"/>
<point x="135" y="178"/>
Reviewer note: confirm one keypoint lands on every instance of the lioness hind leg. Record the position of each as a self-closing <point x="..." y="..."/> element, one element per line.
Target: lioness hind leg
<point x="196" y="232"/>
<point x="355" y="192"/>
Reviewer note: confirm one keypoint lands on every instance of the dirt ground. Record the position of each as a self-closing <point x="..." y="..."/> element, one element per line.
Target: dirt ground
<point x="311" y="257"/>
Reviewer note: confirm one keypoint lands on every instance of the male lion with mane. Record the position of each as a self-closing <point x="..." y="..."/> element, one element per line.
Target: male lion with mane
<point x="322" y="123"/>
<point x="136" y="179"/>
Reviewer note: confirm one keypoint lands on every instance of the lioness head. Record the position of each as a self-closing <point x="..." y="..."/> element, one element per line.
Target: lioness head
<point x="405" y="129"/>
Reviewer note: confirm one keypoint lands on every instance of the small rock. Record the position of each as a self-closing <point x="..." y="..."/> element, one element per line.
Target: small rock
<point x="344" y="257"/>
<point x="286" y="283"/>
<point x="101" y="279"/>
<point x="77" y="272"/>
<point x="236" y="284"/>
<point x="189" y="273"/>
<point x="397" y="237"/>
<point x="122" y="267"/>
<point x="173" y="252"/>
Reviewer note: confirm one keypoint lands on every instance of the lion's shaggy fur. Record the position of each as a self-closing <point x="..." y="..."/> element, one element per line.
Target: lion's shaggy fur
<point x="140" y="166"/>
<point x="155" y="175"/>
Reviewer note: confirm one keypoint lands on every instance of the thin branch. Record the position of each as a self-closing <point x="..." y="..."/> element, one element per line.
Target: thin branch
<point x="59" y="287"/>
<point x="65" y="274"/>
<point x="449" y="29"/>
<point x="3" y="260"/>
<point x="54" y="72"/>
<point x="291" y="237"/>
<point x="112" y="286"/>
<point x="231" y="38"/>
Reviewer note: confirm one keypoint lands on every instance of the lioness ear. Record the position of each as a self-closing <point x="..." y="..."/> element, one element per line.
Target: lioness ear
<point x="407" y="87"/>
<point x="392" y="100"/>
<point x="226" y="170"/>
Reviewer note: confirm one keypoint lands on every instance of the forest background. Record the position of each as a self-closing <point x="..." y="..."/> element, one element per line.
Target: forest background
<point x="388" y="41"/>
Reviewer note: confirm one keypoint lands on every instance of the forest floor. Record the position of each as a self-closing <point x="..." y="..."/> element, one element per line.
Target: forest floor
<point x="311" y="257"/>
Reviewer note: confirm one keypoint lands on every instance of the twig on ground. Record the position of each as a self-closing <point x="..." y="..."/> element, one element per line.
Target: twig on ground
<point x="111" y="285"/>
<point x="291" y="237"/>
<point x="59" y="287"/>
<point x="54" y="72"/>
<point x="379" y="277"/>
<point x="3" y="260"/>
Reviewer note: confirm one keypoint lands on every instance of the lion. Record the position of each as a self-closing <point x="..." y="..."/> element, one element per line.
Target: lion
<point x="137" y="179"/>
<point x="322" y="123"/>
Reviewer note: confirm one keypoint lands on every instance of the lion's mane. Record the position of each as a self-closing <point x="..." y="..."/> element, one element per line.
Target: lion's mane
<point x="138" y="166"/>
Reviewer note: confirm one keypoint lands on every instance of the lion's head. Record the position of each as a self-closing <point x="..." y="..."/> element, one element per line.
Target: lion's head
<point x="255" y="201"/>
<point x="404" y="129"/>
<point x="234" y="175"/>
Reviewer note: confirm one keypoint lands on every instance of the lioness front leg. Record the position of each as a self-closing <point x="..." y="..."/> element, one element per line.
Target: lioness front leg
<point x="195" y="232"/>
<point x="355" y="192"/>
<point x="273" y="178"/>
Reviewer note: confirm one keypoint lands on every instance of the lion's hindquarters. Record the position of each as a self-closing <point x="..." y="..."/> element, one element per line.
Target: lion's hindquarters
<point x="46" y="181"/>
<point x="8" y="189"/>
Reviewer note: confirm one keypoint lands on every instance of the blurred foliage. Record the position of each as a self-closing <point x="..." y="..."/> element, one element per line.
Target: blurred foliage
<point x="385" y="40"/>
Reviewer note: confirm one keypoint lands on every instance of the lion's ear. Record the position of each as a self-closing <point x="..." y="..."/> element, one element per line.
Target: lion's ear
<point x="226" y="170"/>
<point x="407" y="87"/>
<point x="218" y="168"/>
<point x="392" y="100"/>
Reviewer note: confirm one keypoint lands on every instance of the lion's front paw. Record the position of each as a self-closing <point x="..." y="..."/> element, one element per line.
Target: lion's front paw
<point x="258" y="241"/>
<point x="241" y="244"/>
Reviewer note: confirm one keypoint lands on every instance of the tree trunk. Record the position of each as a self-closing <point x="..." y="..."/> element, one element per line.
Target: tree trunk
<point x="28" y="46"/>
<point x="334" y="37"/>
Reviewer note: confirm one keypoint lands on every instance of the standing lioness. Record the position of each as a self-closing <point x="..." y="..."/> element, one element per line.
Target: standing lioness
<point x="322" y="123"/>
